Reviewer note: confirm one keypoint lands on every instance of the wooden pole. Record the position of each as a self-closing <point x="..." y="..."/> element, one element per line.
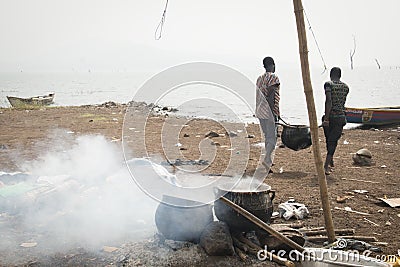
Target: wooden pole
<point x="305" y="70"/>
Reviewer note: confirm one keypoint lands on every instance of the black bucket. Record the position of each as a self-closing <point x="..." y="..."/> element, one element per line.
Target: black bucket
<point x="296" y="137"/>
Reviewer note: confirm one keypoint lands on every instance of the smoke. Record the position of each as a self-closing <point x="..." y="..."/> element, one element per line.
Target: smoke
<point x="79" y="193"/>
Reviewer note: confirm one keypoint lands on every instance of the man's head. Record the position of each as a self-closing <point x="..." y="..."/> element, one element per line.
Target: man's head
<point x="269" y="64"/>
<point x="336" y="73"/>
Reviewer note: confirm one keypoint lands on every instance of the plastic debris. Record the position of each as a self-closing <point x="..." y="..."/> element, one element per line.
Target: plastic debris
<point x="351" y="210"/>
<point x="146" y="167"/>
<point x="28" y="244"/>
<point x="290" y="208"/>
<point x="360" y="191"/>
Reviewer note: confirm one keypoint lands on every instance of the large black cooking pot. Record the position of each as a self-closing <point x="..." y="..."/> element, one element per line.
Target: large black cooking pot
<point x="296" y="137"/>
<point x="257" y="201"/>
<point x="182" y="219"/>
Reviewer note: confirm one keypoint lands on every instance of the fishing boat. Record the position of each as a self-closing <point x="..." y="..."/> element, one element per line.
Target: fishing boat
<point x="18" y="102"/>
<point x="373" y="116"/>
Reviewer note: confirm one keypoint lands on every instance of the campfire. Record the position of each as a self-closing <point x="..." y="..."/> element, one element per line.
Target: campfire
<point x="242" y="226"/>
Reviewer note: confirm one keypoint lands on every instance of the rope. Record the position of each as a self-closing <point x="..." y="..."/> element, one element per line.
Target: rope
<point x="316" y="42"/>
<point x="158" y="32"/>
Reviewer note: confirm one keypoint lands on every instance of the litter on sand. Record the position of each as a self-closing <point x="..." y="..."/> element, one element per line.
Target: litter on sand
<point x="392" y="202"/>
<point x="28" y="245"/>
<point x="351" y="210"/>
<point x="290" y="208"/>
<point x="360" y="191"/>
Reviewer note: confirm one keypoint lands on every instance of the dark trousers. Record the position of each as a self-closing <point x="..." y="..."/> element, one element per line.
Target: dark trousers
<point x="333" y="133"/>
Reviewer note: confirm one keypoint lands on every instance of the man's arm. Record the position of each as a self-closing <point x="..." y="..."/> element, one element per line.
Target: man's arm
<point x="276" y="101"/>
<point x="328" y="104"/>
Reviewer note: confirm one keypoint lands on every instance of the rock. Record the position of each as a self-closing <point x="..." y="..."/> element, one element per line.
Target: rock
<point x="186" y="135"/>
<point x="363" y="157"/>
<point x="212" y="134"/>
<point x="341" y="199"/>
<point x="169" y="109"/>
<point x="215" y="143"/>
<point x="232" y="134"/>
<point x="3" y="147"/>
<point x="251" y="136"/>
<point x="109" y="104"/>
<point x="216" y="240"/>
<point x="177" y="245"/>
<point x="364" y="152"/>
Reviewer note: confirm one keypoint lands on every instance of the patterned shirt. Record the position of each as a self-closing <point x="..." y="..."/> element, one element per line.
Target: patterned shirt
<point x="267" y="95"/>
<point x="339" y="91"/>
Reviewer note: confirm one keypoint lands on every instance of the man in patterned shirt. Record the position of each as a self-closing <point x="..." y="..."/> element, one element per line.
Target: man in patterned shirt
<point x="335" y="118"/>
<point x="267" y="108"/>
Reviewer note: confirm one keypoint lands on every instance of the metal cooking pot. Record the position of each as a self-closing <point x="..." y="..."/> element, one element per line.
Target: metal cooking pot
<point x="182" y="220"/>
<point x="257" y="201"/>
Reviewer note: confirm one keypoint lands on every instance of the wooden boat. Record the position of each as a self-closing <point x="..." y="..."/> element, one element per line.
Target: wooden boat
<point x="373" y="116"/>
<point x="18" y="102"/>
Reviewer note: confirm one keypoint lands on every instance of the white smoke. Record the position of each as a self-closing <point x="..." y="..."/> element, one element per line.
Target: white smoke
<point x="82" y="195"/>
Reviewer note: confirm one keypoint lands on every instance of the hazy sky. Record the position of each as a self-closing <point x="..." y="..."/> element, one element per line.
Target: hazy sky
<point x="66" y="35"/>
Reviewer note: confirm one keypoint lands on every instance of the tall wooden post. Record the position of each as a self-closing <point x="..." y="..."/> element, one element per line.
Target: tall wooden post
<point x="305" y="70"/>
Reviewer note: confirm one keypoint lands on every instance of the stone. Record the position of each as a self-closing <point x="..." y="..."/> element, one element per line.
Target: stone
<point x="232" y="134"/>
<point x="363" y="157"/>
<point x="216" y="239"/>
<point x="212" y="134"/>
<point x="361" y="160"/>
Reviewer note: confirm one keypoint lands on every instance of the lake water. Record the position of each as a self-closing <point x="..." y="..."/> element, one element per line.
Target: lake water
<point x="369" y="87"/>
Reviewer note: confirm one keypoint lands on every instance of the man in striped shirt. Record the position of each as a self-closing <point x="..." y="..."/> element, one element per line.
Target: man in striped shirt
<point x="267" y="108"/>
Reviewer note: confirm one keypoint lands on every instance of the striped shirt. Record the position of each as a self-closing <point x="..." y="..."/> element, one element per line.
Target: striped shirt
<point x="267" y="95"/>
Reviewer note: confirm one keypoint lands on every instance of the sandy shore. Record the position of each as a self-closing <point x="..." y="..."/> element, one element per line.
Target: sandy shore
<point x="24" y="133"/>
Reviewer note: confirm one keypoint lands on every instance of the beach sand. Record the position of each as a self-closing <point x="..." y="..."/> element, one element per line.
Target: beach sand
<point x="26" y="132"/>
